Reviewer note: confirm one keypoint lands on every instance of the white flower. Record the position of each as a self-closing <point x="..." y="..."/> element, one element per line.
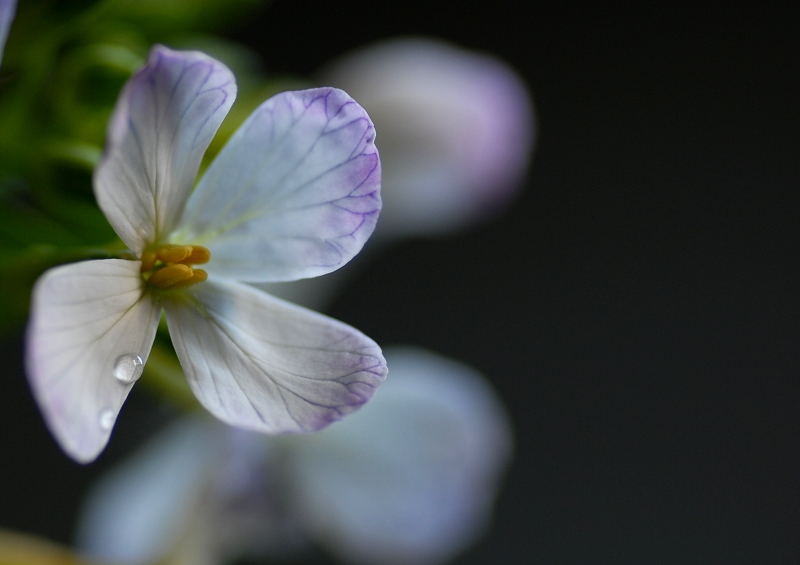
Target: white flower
<point x="7" y="8"/>
<point x="294" y="194"/>
<point x="409" y="479"/>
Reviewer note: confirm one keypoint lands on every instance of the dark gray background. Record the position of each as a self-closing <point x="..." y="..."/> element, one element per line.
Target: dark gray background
<point x="637" y="308"/>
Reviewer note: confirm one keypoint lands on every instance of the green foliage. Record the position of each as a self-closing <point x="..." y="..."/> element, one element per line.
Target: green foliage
<point x="64" y="66"/>
<point x="169" y="16"/>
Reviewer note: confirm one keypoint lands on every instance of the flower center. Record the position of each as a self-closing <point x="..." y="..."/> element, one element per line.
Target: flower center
<point x="168" y="266"/>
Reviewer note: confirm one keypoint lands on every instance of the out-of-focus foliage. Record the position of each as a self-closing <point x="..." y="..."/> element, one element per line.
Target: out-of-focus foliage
<point x="20" y="549"/>
<point x="170" y="16"/>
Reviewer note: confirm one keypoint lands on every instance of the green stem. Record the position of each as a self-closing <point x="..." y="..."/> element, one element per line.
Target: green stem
<point x="163" y="375"/>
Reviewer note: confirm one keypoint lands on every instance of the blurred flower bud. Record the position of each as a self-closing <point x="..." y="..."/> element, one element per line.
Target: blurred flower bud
<point x="455" y="130"/>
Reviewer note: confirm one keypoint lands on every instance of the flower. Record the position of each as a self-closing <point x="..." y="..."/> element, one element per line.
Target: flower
<point x="411" y="478"/>
<point x="294" y="194"/>
<point x="457" y="130"/>
<point x="7" y="8"/>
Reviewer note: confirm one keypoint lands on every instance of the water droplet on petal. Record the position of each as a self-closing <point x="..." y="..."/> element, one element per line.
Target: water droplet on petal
<point x="106" y="420"/>
<point x="128" y="368"/>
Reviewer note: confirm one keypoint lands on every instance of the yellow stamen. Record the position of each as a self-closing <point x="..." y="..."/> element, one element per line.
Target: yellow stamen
<point x="148" y="261"/>
<point x="169" y="266"/>
<point x="174" y="253"/>
<point x="198" y="256"/>
<point x="171" y="275"/>
<point x="198" y="276"/>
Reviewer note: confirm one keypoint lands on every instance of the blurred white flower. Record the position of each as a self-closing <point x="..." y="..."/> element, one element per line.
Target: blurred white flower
<point x="457" y="130"/>
<point x="7" y="8"/>
<point x="413" y="478"/>
<point x="295" y="193"/>
<point x="409" y="479"/>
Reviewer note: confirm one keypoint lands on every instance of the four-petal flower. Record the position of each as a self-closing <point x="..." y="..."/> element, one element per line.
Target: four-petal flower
<point x="294" y="194"/>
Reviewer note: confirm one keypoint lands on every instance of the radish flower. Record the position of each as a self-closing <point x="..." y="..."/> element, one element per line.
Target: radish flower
<point x="294" y="194"/>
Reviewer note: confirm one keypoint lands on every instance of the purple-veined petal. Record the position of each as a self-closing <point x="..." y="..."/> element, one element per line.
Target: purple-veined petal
<point x="456" y="131"/>
<point x="137" y="513"/>
<point x="411" y="478"/>
<point x="7" y="8"/>
<point x="294" y="194"/>
<point x="260" y="363"/>
<point x="162" y="124"/>
<point x="90" y="332"/>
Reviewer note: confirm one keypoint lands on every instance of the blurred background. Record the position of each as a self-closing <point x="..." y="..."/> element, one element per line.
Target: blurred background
<point x="635" y="307"/>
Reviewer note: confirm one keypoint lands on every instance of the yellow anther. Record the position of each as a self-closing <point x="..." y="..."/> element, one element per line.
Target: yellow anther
<point x="198" y="256"/>
<point x="174" y="253"/>
<point x="168" y="266"/>
<point x="148" y="261"/>
<point x="171" y="275"/>
<point x="198" y="276"/>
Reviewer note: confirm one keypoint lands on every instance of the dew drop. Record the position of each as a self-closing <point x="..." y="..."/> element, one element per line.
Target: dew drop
<point x="106" y="420"/>
<point x="128" y="368"/>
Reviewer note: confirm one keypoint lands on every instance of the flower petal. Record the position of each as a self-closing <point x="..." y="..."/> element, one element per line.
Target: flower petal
<point x="162" y="124"/>
<point x="7" y="8"/>
<point x="294" y="194"/>
<point x="260" y="363"/>
<point x="412" y="476"/>
<point x="84" y="318"/>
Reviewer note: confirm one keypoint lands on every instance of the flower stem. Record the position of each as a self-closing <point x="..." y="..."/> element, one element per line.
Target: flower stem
<point x="164" y="376"/>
